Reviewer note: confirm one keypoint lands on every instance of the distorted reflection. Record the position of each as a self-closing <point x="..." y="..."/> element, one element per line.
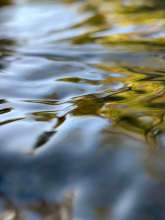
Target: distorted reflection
<point x="82" y="110"/>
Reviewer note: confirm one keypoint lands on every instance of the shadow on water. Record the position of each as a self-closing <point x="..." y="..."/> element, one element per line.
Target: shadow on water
<point x="82" y="110"/>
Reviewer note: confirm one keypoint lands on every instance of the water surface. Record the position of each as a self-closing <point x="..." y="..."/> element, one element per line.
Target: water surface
<point x="82" y="110"/>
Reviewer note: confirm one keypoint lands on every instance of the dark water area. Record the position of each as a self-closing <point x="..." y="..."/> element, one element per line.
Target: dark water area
<point x="82" y="110"/>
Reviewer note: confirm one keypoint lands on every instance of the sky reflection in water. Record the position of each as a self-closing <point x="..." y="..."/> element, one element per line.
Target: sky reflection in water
<point x="82" y="123"/>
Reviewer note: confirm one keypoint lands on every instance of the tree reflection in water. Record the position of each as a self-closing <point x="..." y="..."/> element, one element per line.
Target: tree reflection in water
<point x="82" y="110"/>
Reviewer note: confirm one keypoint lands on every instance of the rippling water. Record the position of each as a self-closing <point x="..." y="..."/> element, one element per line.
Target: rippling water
<point x="82" y="110"/>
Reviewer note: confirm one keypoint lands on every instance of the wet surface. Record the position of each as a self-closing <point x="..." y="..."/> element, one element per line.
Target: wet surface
<point x="82" y="110"/>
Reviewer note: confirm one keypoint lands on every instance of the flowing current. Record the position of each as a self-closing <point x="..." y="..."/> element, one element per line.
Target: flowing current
<point x="82" y="110"/>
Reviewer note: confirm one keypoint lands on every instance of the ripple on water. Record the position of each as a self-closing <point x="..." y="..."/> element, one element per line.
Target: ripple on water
<point x="82" y="119"/>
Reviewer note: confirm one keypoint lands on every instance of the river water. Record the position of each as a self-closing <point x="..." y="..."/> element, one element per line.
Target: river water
<point x="82" y="110"/>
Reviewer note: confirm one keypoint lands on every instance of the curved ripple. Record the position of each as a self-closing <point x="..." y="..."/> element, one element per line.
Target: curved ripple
<point x="82" y="119"/>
